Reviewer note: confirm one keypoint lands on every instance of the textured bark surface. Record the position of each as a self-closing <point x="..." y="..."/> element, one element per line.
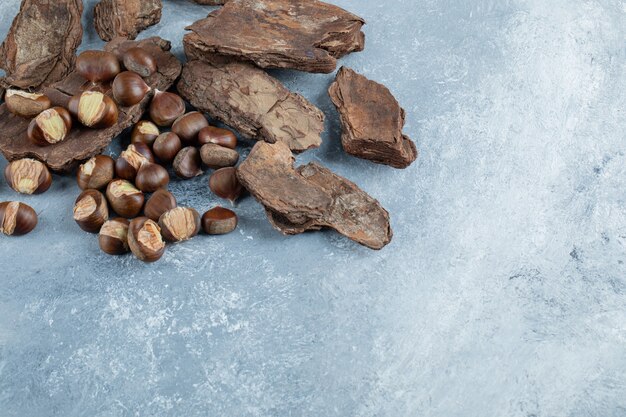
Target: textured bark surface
<point x="40" y="48"/>
<point x="82" y="143"/>
<point x="371" y="120"/>
<point x="307" y="35"/>
<point x="125" y="18"/>
<point x="311" y="197"/>
<point x="254" y="103"/>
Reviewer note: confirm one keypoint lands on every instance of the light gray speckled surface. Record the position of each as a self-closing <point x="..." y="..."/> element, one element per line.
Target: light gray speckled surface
<point x="503" y="292"/>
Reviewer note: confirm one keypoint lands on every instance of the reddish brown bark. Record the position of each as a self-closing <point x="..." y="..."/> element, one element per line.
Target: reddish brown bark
<point x="125" y="18"/>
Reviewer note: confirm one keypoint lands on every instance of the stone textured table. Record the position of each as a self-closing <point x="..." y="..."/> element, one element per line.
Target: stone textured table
<point x="503" y="292"/>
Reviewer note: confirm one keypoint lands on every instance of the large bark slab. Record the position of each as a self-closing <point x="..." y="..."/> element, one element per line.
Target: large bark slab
<point x="252" y="102"/>
<point x="311" y="197"/>
<point x="306" y="35"/>
<point x="125" y="18"/>
<point x="40" y="48"/>
<point x="371" y="120"/>
<point x="82" y="143"/>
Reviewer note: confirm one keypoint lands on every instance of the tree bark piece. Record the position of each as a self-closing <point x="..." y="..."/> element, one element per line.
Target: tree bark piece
<point x="125" y="18"/>
<point x="82" y="143"/>
<point x="311" y="197"/>
<point x="40" y="48"/>
<point x="371" y="120"/>
<point x="306" y="35"/>
<point x="252" y="102"/>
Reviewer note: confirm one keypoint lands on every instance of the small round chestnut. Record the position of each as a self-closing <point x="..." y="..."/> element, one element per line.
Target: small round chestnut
<point x="187" y="163"/>
<point x="113" y="237"/>
<point x="125" y="199"/>
<point x="216" y="156"/>
<point x="166" y="146"/>
<point x="145" y="240"/>
<point x="224" y="184"/>
<point x="158" y="203"/>
<point x="130" y="160"/>
<point x="25" y="104"/>
<point x="49" y="127"/>
<point x="16" y="219"/>
<point x="94" y="109"/>
<point x="151" y="177"/>
<point x="180" y="223"/>
<point x="145" y="132"/>
<point x="28" y="176"/>
<point x="140" y="61"/>
<point x="219" y="136"/>
<point x="96" y="173"/>
<point x="97" y="66"/>
<point x="91" y="211"/>
<point x="129" y="88"/>
<point x="219" y="221"/>
<point x="188" y="125"/>
<point x="165" y="108"/>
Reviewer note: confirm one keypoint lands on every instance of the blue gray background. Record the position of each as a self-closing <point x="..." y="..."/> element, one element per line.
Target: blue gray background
<point x="503" y="292"/>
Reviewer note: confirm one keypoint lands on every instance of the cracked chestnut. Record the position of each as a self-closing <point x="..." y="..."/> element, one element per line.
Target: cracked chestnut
<point x="113" y="237"/>
<point x="145" y="132"/>
<point x="180" y="223"/>
<point x="16" y="219"/>
<point x="128" y="163"/>
<point x="96" y="173"/>
<point x="91" y="210"/>
<point x="125" y="199"/>
<point x="145" y="240"/>
<point x="28" y="176"/>
<point x="49" y="127"/>
<point x="25" y="104"/>
<point x="94" y="109"/>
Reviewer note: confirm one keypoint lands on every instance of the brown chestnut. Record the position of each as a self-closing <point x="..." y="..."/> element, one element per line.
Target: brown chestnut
<point x="25" y="104"/>
<point x="125" y="199"/>
<point x="216" y="156"/>
<point x="94" y="109"/>
<point x="224" y="184"/>
<point x="165" y="108"/>
<point x="130" y="160"/>
<point x="219" y="221"/>
<point x="16" y="219"/>
<point x="97" y="66"/>
<point x="187" y="163"/>
<point x="219" y="136"/>
<point x="187" y="126"/>
<point x="144" y="131"/>
<point x="113" y="237"/>
<point x="158" y="203"/>
<point x="151" y="177"/>
<point x="166" y="146"/>
<point x="96" y="173"/>
<point x="129" y="88"/>
<point x="91" y="211"/>
<point x="28" y="176"/>
<point x="145" y="240"/>
<point x="49" y="127"/>
<point x="180" y="223"/>
<point x="140" y="61"/>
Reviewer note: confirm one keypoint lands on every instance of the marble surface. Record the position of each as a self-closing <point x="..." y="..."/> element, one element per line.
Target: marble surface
<point x="503" y="292"/>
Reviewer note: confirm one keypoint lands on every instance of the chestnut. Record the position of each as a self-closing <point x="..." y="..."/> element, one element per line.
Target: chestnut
<point x="140" y="61"/>
<point x="96" y="173"/>
<point x="97" y="66"/>
<point x="216" y="156"/>
<point x="49" y="127"/>
<point x="180" y="223"/>
<point x="158" y="203"/>
<point x="130" y="160"/>
<point x="166" y="146"/>
<point x="151" y="177"/>
<point x="145" y="240"/>
<point x="224" y="184"/>
<point x="187" y="163"/>
<point x="188" y="125"/>
<point x="145" y="132"/>
<point x="25" y="104"/>
<point x="113" y="237"/>
<point x="94" y="109"/>
<point x="16" y="219"/>
<point x="165" y="108"/>
<point x="28" y="176"/>
<point x="219" y="136"/>
<point x="91" y="210"/>
<point x="219" y="221"/>
<point x="125" y="199"/>
<point x="129" y="88"/>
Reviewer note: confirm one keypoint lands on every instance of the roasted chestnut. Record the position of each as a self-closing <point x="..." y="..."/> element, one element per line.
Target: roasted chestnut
<point x="94" y="109"/>
<point x="165" y="108"/>
<point x="25" y="104"/>
<point x="96" y="173"/>
<point x="16" y="219"/>
<point x="219" y="136"/>
<point x="91" y="211"/>
<point x="219" y="221"/>
<point x="125" y="199"/>
<point x="151" y="177"/>
<point x="129" y="88"/>
<point x="140" y="61"/>
<point x="49" y="127"/>
<point x="166" y="146"/>
<point x="180" y="223"/>
<point x="97" y="66"/>
<point x="28" y="176"/>
<point x="145" y="132"/>
<point x="187" y="127"/>
<point x="160" y="202"/>
<point x="130" y="160"/>
<point x="145" y="240"/>
<point x="113" y="238"/>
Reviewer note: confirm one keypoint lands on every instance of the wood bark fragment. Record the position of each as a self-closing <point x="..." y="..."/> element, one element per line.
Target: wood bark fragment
<point x="306" y="35"/>
<point x="82" y="143"/>
<point x="125" y="18"/>
<point x="371" y="120"/>
<point x="311" y="197"/>
<point x="252" y="102"/>
<point x="40" y="48"/>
